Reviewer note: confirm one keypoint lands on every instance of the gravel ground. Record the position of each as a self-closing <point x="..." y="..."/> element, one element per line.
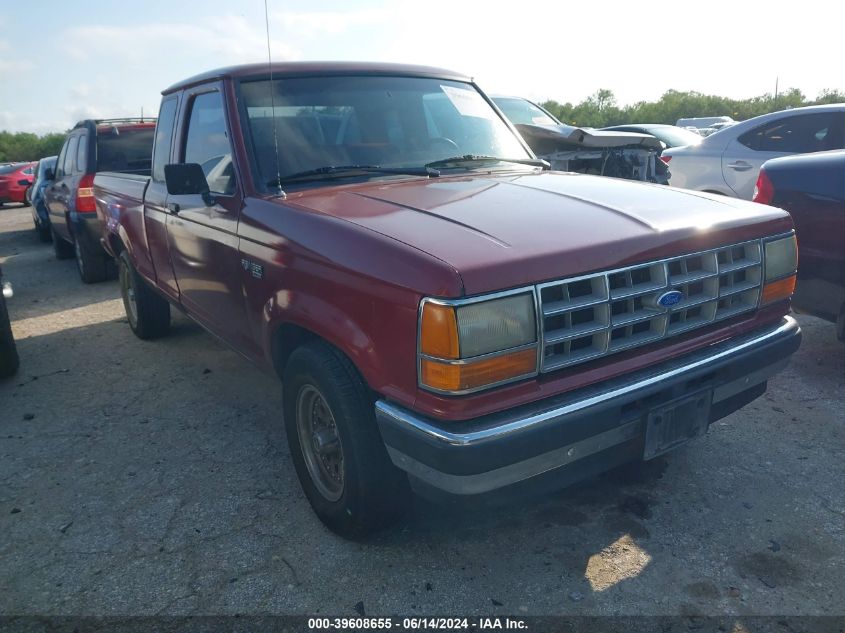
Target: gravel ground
<point x="142" y="478"/>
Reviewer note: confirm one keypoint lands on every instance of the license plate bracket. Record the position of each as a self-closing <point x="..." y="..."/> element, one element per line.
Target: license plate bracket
<point x="676" y="422"/>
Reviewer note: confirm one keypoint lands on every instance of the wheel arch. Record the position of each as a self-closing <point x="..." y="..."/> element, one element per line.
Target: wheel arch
<point x="289" y="334"/>
<point x="286" y="338"/>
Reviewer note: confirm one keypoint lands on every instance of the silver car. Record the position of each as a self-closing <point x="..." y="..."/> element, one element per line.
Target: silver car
<point x="728" y="161"/>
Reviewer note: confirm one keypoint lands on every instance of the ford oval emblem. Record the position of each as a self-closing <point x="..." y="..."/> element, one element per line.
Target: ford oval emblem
<point x="671" y="298"/>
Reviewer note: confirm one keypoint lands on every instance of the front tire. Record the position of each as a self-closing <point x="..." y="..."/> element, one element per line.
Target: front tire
<point x="148" y="313"/>
<point x="9" y="359"/>
<point x="336" y="446"/>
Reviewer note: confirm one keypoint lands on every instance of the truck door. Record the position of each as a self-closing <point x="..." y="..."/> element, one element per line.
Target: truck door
<point x="203" y="239"/>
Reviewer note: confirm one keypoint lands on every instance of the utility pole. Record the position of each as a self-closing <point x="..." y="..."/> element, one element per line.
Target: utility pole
<point x="776" y="87"/>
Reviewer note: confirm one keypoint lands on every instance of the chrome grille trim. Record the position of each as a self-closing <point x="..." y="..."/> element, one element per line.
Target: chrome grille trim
<point x="591" y="316"/>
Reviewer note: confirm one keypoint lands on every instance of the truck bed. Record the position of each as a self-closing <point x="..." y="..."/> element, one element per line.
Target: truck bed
<point x="120" y="206"/>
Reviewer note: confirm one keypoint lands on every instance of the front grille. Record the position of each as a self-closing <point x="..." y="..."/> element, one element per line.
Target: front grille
<point x="592" y="316"/>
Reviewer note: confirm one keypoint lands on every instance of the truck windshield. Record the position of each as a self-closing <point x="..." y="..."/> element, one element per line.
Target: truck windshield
<point x="389" y="122"/>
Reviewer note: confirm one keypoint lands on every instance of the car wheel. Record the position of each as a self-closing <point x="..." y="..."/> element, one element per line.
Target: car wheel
<point x="336" y="446"/>
<point x="91" y="265"/>
<point x="61" y="248"/>
<point x="148" y="313"/>
<point x="9" y="359"/>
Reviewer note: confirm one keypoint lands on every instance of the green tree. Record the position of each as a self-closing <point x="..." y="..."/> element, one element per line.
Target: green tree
<point x="25" y="146"/>
<point x="600" y="108"/>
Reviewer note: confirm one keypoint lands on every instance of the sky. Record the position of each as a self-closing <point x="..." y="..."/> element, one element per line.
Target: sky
<point x="66" y="60"/>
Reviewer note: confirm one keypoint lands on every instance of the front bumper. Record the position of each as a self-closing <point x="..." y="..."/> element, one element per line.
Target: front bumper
<point x="578" y="434"/>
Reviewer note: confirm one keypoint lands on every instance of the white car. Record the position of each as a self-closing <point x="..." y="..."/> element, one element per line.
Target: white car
<point x="728" y="161"/>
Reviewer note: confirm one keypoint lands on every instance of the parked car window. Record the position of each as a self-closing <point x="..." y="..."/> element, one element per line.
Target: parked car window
<point x="125" y="148"/>
<point x="208" y="144"/>
<point x="796" y="134"/>
<point x="82" y="155"/>
<point x="163" y="136"/>
<point x="522" y="112"/>
<point x="41" y="170"/>
<point x="70" y="158"/>
<point x="61" y="160"/>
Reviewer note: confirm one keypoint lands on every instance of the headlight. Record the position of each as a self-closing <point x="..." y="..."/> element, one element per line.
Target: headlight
<point x="781" y="263"/>
<point x="469" y="345"/>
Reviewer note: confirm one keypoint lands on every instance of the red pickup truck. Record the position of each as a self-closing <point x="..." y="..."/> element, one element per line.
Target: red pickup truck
<point x="443" y="311"/>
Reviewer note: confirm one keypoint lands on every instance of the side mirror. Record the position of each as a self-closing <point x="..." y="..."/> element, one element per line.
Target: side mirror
<point x="186" y="179"/>
<point x="24" y="182"/>
<point x="49" y="174"/>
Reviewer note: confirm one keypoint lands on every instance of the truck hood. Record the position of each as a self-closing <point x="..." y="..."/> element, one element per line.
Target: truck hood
<point x="502" y="231"/>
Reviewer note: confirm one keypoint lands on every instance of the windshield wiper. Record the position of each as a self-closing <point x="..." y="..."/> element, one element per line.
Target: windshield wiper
<point x="349" y="171"/>
<point x="474" y="158"/>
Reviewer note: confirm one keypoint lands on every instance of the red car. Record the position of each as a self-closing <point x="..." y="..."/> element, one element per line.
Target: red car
<point x="15" y="179"/>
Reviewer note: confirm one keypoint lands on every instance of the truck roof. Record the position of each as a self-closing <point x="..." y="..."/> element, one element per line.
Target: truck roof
<point x="310" y="69"/>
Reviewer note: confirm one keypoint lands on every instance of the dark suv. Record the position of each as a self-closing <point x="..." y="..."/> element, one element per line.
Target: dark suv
<point x="118" y="145"/>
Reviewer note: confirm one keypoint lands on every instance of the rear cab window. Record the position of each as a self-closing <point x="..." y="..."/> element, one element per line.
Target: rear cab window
<point x="163" y="137"/>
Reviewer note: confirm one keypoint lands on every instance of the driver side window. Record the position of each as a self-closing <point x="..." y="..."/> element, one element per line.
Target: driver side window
<point x="207" y="143"/>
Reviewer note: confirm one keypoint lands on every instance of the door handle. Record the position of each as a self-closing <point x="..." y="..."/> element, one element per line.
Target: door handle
<point x="173" y="207"/>
<point x="740" y="165"/>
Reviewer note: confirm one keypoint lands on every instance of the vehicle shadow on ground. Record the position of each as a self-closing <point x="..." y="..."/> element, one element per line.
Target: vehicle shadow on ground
<point x="14" y="242"/>
<point x="35" y="273"/>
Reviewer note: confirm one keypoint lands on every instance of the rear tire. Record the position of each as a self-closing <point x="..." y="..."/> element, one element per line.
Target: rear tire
<point x="9" y="359"/>
<point x="148" y="313"/>
<point x="62" y="249"/>
<point x="91" y="265"/>
<point x="328" y="410"/>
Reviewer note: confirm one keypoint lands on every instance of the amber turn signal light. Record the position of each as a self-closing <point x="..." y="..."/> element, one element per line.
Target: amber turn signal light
<point x="777" y="290"/>
<point x="439" y="331"/>
<point x="480" y="373"/>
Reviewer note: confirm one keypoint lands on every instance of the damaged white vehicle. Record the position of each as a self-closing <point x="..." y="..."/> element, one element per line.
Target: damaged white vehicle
<point x="603" y="153"/>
